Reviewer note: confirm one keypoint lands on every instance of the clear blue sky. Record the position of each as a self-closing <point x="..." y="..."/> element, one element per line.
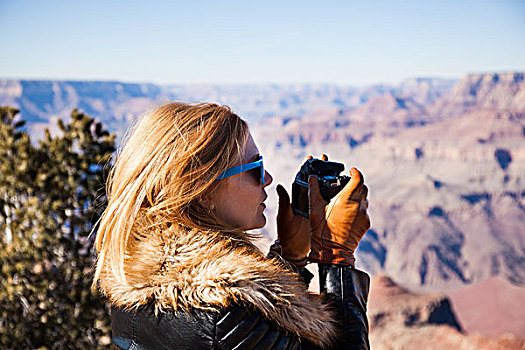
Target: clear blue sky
<point x="348" y="42"/>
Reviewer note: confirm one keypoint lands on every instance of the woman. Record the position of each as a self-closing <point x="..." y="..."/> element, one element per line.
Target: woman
<point x="179" y="268"/>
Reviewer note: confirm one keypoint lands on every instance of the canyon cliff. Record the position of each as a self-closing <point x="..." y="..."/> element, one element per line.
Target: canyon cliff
<point x="444" y="161"/>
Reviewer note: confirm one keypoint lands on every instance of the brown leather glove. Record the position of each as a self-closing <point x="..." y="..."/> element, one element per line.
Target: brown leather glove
<point x="338" y="226"/>
<point x="293" y="231"/>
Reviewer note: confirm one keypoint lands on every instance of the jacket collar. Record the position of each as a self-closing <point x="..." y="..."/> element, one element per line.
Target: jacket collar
<point x="180" y="270"/>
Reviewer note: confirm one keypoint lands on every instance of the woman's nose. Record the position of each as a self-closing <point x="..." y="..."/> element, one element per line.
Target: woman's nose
<point x="267" y="178"/>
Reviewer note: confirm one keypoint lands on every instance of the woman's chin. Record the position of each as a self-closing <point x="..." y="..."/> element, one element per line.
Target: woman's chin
<point x="263" y="221"/>
<point x="260" y="223"/>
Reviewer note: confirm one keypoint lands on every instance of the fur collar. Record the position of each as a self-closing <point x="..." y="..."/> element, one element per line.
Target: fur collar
<point x="207" y="270"/>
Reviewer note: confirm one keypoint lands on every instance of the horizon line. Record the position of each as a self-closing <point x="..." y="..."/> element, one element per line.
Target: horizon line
<point x="259" y="82"/>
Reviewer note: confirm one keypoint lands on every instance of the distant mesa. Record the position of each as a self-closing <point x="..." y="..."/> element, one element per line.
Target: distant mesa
<point x="497" y="91"/>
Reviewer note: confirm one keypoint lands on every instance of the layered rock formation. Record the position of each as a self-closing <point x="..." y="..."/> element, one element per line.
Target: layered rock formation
<point x="116" y="103"/>
<point x="492" y="308"/>
<point x="400" y="319"/>
<point x="497" y="91"/>
<point x="445" y="168"/>
<point x="447" y="191"/>
<point x="41" y="103"/>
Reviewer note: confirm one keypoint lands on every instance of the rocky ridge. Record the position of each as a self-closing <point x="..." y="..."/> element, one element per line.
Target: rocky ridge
<point x="447" y="194"/>
<point x="492" y="308"/>
<point x="117" y="103"/>
<point x="400" y="319"/>
<point x="497" y="91"/>
<point x="445" y="166"/>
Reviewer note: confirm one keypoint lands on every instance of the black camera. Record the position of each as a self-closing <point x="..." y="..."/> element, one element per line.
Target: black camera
<point x="330" y="182"/>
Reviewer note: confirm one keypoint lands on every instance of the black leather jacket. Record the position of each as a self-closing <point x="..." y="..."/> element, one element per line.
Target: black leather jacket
<point x="239" y="327"/>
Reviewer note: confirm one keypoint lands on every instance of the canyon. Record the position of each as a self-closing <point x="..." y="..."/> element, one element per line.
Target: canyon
<point x="444" y="160"/>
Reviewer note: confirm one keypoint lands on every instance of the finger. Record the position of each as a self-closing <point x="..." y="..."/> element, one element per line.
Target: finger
<point x="355" y="172"/>
<point x="285" y="207"/>
<point x="355" y="182"/>
<point x="324" y="157"/>
<point x="316" y="202"/>
<point x="314" y="193"/>
<point x="362" y="197"/>
<point x="365" y="191"/>
<point x="283" y="194"/>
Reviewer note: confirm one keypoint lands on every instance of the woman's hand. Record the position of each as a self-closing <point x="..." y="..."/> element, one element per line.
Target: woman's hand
<point x="293" y="231"/>
<point x="338" y="226"/>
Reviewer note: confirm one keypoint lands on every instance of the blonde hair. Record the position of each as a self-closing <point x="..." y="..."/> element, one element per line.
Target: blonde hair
<point x="168" y="162"/>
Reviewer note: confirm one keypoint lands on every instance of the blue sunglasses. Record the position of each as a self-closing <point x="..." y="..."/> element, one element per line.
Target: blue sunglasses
<point x="244" y="167"/>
